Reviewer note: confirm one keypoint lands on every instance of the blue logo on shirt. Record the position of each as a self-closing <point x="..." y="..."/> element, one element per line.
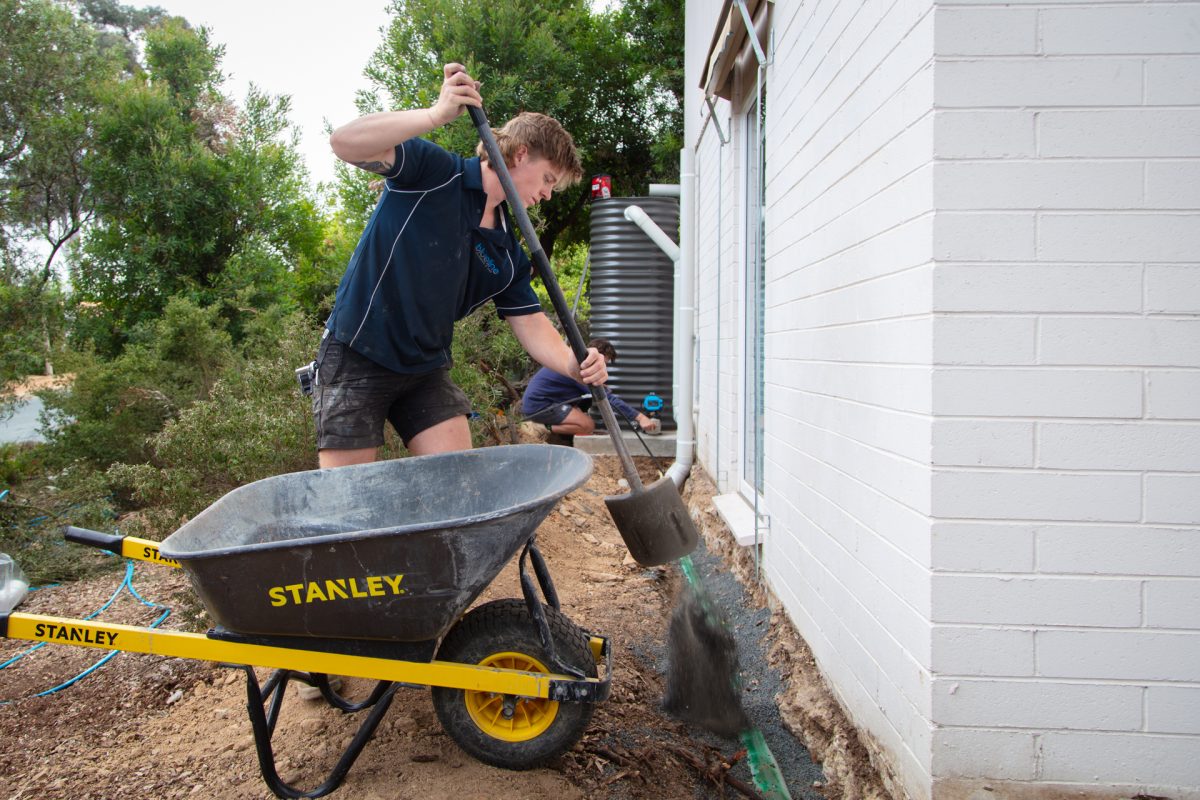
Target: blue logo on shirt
<point x="485" y="259"/>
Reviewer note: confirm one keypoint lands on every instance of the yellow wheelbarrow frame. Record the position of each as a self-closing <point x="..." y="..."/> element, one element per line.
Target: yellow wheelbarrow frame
<point x="310" y="666"/>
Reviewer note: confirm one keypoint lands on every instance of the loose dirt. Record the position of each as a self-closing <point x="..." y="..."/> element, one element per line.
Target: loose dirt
<point x="150" y="727"/>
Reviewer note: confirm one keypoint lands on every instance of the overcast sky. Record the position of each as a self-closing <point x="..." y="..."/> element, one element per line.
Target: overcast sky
<point x="314" y="52"/>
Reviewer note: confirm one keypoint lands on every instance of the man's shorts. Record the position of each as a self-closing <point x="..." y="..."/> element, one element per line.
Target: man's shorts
<point x="551" y="415"/>
<point x="354" y="395"/>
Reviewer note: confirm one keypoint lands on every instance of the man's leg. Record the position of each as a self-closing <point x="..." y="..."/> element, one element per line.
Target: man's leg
<point x="576" y="423"/>
<point x="343" y="458"/>
<point x="445" y="437"/>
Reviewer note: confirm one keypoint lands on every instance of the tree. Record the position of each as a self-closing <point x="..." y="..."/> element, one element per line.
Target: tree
<point x="50" y="68"/>
<point x="590" y="70"/>
<point x="194" y="196"/>
<point x="654" y="32"/>
<point x="118" y="25"/>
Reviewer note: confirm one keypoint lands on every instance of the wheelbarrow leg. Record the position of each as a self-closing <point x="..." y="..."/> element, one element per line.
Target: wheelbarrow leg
<point x="543" y="576"/>
<point x="264" y="728"/>
<point x="334" y="699"/>
<point x="535" y="605"/>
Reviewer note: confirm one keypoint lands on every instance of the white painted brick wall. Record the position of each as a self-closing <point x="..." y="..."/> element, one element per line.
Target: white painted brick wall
<point x="983" y="443"/>
<point x="1121" y="341"/>
<point x="1170" y="709"/>
<point x="1130" y="655"/>
<point x="1120" y="133"/>
<point x="1041" y="704"/>
<point x="973" y="546"/>
<point x="848" y="345"/>
<point x="1172" y="394"/>
<point x="1033" y="288"/>
<point x="1132" y="758"/>
<point x="983" y="369"/>
<point x="992" y="755"/>
<point x="967" y="650"/>
<point x="1175" y="288"/>
<point x="1095" y="237"/>
<point x="1114" y="550"/>
<point x="1173" y="498"/>
<point x="1173" y="604"/>
<point x="1170" y="81"/>
<point x="1067" y="161"/>
<point x="1050" y="392"/>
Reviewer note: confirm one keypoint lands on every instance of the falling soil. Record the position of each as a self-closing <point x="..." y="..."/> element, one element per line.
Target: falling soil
<point x="703" y="667"/>
<point x="150" y="727"/>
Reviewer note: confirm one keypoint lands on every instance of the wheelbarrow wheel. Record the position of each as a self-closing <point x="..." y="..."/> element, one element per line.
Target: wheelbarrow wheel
<point x="492" y="727"/>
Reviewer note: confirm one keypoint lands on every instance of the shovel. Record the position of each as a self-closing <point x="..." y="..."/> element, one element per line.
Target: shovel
<point x="652" y="520"/>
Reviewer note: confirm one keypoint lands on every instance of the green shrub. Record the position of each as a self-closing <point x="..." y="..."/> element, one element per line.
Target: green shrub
<point x="32" y="516"/>
<point x="16" y="462"/>
<point x="569" y="263"/>
<point x="113" y="407"/>
<point x="254" y="424"/>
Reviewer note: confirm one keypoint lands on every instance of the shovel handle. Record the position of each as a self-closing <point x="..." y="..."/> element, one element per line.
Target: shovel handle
<point x="542" y="264"/>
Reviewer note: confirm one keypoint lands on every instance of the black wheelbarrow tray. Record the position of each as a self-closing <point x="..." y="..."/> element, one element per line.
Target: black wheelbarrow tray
<point x="367" y="571"/>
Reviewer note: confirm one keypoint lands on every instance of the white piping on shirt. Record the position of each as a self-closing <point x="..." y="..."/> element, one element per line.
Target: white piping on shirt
<point x="403" y="159"/>
<point x="392" y="252"/>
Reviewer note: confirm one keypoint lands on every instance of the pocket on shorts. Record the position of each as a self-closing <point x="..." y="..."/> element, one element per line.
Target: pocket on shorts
<point x="330" y="356"/>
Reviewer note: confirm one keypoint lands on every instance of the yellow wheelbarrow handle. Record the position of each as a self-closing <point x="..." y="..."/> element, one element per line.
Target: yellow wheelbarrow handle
<point x="124" y="546"/>
<point x="180" y="644"/>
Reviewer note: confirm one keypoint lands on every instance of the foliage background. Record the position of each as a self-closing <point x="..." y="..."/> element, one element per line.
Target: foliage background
<point x="162" y="242"/>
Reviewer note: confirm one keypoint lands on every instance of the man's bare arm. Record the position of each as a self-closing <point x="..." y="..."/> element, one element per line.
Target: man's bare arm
<point x="369" y="142"/>
<point x="541" y="340"/>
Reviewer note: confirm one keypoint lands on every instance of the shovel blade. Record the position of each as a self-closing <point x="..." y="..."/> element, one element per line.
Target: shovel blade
<point x="654" y="523"/>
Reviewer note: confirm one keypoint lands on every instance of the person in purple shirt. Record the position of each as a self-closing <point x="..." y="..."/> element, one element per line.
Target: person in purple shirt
<point x="561" y="403"/>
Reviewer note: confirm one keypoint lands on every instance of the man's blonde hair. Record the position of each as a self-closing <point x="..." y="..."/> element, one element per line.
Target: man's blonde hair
<point x="543" y="136"/>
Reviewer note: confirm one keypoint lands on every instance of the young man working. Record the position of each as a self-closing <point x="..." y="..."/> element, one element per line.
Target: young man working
<point x="438" y="246"/>
<point x="561" y="404"/>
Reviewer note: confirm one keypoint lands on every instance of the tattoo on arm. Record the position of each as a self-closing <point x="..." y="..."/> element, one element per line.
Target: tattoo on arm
<point x="378" y="167"/>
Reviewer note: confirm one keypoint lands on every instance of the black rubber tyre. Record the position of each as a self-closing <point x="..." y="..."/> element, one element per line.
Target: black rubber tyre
<point x="546" y="729"/>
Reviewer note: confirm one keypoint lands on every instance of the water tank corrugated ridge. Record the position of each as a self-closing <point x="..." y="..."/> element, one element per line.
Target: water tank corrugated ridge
<point x="632" y="297"/>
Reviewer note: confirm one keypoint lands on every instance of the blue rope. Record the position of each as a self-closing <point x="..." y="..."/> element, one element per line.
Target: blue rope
<point x="126" y="583"/>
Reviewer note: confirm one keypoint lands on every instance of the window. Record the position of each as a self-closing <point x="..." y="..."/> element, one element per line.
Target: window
<point x="753" y="356"/>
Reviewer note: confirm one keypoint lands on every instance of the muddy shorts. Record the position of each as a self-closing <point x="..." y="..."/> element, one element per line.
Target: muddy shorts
<point x="354" y="395"/>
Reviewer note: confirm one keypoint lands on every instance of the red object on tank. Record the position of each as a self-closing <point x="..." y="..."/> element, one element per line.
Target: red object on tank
<point x="601" y="187"/>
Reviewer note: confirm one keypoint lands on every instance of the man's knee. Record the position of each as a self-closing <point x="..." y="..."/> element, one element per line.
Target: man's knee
<point x="577" y="423"/>
<point x="332" y="457"/>
<point x="447" y="436"/>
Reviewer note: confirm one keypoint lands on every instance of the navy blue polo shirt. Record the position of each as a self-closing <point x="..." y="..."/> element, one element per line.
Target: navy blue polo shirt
<point x="423" y="263"/>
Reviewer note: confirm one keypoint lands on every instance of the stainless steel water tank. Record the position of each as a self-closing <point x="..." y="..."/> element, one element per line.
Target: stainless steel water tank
<point x="632" y="297"/>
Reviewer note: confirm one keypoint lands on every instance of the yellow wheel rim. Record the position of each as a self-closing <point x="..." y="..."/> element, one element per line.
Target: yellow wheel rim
<point x="531" y="716"/>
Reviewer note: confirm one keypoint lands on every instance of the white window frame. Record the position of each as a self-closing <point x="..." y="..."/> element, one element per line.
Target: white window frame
<point x="749" y="439"/>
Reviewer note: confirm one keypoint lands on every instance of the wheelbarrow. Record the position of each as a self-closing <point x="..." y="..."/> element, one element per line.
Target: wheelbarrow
<point x="366" y="571"/>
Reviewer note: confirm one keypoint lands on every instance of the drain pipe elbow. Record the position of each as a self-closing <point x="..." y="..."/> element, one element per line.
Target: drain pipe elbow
<point x="639" y="217"/>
